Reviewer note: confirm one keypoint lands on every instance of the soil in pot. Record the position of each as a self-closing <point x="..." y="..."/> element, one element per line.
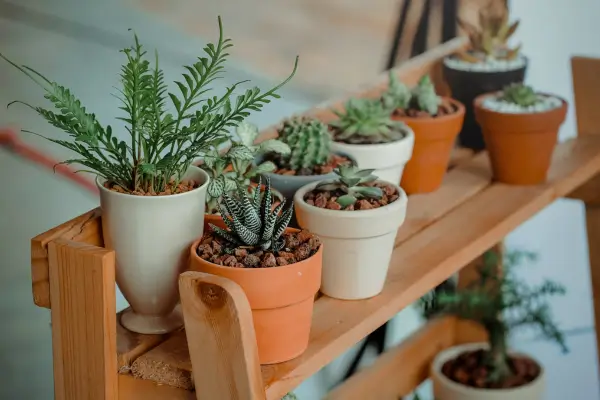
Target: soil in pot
<point x="466" y="84"/>
<point x="280" y="287"/>
<point x="434" y="140"/>
<point x="298" y="247"/>
<point x="181" y="187"/>
<point x="327" y="199"/>
<point x="334" y="161"/>
<point x="520" y="142"/>
<point x="470" y="369"/>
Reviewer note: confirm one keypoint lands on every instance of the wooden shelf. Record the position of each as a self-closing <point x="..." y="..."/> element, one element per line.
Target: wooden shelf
<point x="443" y="232"/>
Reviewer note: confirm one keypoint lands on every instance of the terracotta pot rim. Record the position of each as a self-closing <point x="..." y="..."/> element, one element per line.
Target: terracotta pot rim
<point x="437" y="367"/>
<point x="398" y="203"/>
<point x="151" y="198"/>
<point x="477" y="102"/>
<point x="460" y="111"/>
<point x="254" y="270"/>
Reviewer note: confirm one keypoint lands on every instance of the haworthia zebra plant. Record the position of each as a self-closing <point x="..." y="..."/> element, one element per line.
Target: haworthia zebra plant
<point x="234" y="169"/>
<point x="250" y="220"/>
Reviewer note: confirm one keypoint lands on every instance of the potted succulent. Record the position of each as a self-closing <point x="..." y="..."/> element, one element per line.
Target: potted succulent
<point x="366" y="132"/>
<point x="278" y="268"/>
<point x="152" y="197"/>
<point x="520" y="127"/>
<point x="501" y="303"/>
<point x="357" y="217"/>
<point x="235" y="168"/>
<point x="435" y="122"/>
<point x="486" y="66"/>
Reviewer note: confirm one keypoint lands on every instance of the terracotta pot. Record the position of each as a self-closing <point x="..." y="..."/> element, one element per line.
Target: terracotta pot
<point x="434" y="140"/>
<point x="150" y="236"/>
<point x="388" y="159"/>
<point x="465" y="86"/>
<point x="281" y="299"/>
<point x="358" y="244"/>
<point x="520" y="146"/>
<point x="446" y="389"/>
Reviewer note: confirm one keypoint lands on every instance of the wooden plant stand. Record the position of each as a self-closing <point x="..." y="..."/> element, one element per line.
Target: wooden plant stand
<point x="95" y="358"/>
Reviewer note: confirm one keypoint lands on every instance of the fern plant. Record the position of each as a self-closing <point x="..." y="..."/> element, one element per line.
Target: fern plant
<point x="250" y="220"/>
<point x="161" y="144"/>
<point x="234" y="169"/>
<point x="501" y="303"/>
<point x="367" y="121"/>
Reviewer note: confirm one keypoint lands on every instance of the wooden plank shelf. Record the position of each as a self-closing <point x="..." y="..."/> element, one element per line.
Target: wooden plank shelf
<point x="444" y="231"/>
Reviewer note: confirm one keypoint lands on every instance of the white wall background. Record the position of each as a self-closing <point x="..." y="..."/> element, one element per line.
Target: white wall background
<point x="33" y="200"/>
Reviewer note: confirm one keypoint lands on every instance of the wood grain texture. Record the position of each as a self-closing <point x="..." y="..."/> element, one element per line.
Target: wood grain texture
<point x="399" y="370"/>
<point x="592" y="217"/>
<point x="586" y="90"/>
<point x="131" y="388"/>
<point x="221" y="338"/>
<point x="82" y="289"/>
<point x="86" y="228"/>
<point x="421" y="262"/>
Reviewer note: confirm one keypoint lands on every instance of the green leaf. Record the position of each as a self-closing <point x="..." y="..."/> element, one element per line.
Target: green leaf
<point x="274" y="146"/>
<point x="216" y="187"/>
<point x="247" y="133"/>
<point x="346" y="200"/>
<point x="265" y="167"/>
<point x="367" y="191"/>
<point x="240" y="152"/>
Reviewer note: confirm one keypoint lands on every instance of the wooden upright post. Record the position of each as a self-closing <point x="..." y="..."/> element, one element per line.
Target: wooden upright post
<point x="84" y="342"/>
<point x="586" y="90"/>
<point x="221" y="338"/>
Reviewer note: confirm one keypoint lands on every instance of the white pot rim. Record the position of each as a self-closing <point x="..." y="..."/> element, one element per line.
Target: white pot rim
<point x="400" y="202"/>
<point x="447" y="354"/>
<point x="408" y="135"/>
<point x="100" y="184"/>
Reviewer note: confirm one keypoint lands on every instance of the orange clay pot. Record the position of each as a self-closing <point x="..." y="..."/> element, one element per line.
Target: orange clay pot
<point x="281" y="299"/>
<point x="434" y="140"/>
<point x="520" y="146"/>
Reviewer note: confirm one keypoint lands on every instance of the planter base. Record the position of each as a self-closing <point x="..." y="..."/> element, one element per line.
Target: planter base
<point x="152" y="324"/>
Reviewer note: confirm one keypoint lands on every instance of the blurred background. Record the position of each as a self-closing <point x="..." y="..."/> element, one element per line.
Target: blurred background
<point x="341" y="43"/>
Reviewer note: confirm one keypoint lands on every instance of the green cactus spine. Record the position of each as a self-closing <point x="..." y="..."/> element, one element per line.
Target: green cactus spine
<point x="309" y="140"/>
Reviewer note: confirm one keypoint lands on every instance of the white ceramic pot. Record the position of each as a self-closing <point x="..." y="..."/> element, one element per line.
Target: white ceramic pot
<point x="151" y="236"/>
<point x="357" y="245"/>
<point x="388" y="159"/>
<point x="446" y="389"/>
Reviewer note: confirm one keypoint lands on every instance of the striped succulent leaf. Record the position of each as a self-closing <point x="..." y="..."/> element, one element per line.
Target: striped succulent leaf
<point x="251" y="222"/>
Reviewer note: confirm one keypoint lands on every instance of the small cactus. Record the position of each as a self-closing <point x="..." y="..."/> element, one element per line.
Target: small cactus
<point x="350" y="181"/>
<point x="397" y="95"/>
<point x="367" y="121"/>
<point x="520" y="94"/>
<point x="425" y="97"/>
<point x="309" y="140"/>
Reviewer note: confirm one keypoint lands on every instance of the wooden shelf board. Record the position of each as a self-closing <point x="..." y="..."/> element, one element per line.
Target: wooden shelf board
<point x="435" y="243"/>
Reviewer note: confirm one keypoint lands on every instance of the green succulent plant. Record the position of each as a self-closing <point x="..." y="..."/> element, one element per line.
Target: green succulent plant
<point x="161" y="145"/>
<point x="367" y="121"/>
<point x="501" y="302"/>
<point x="425" y="96"/>
<point x="290" y="396"/>
<point x="351" y="181"/>
<point x="520" y="94"/>
<point x="309" y="141"/>
<point x="234" y="169"/>
<point x="397" y="95"/>
<point x="491" y="38"/>
<point x="250" y="220"/>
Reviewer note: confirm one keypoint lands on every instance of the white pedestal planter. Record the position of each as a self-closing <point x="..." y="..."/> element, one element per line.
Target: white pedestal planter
<point x="151" y="236"/>
<point x="388" y="159"/>
<point x="446" y="389"/>
<point x="357" y="244"/>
